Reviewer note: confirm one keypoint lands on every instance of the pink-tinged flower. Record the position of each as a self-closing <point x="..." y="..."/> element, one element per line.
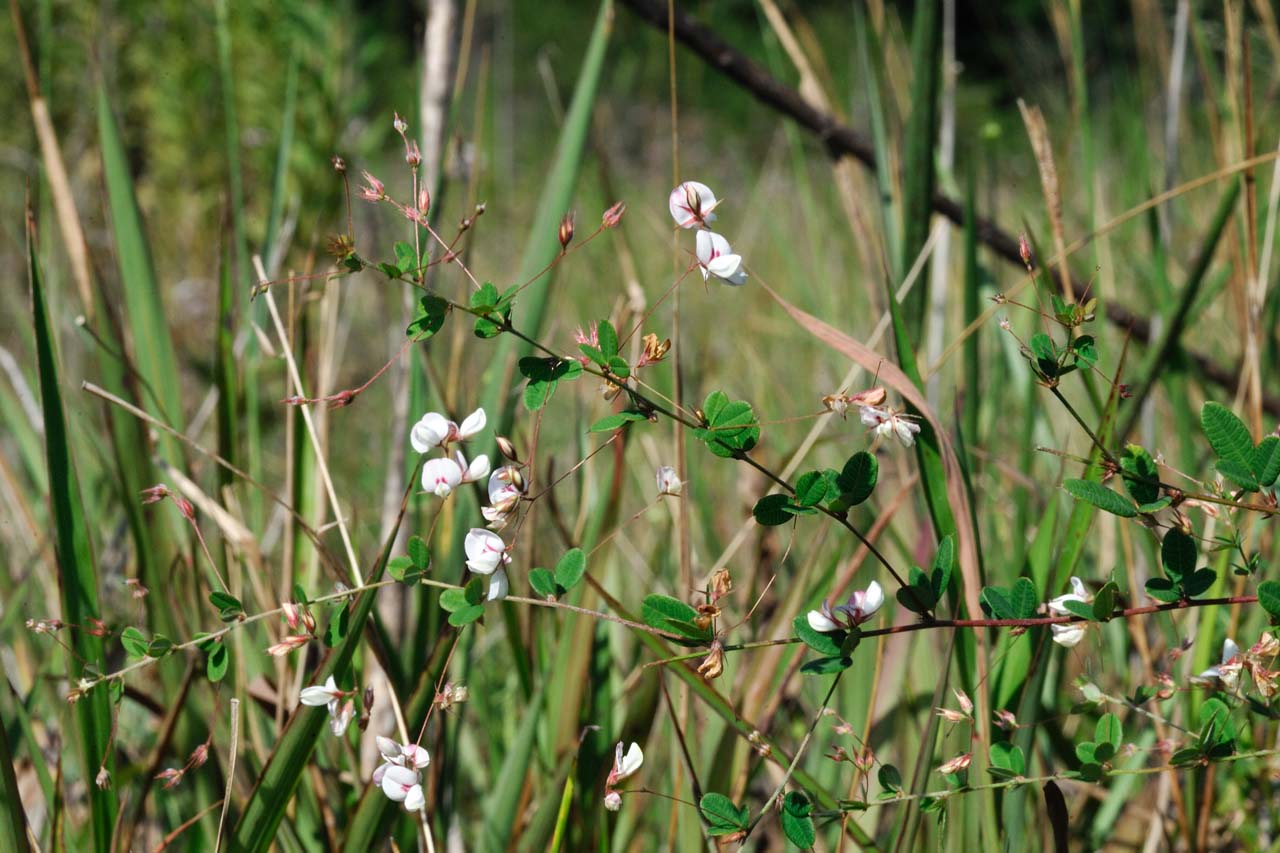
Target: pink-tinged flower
<point x="887" y="422"/>
<point x="1227" y="672"/>
<point x="613" y="215"/>
<point x="955" y="765"/>
<point x="399" y="124"/>
<point x="624" y="765"/>
<point x="506" y="487"/>
<point x="966" y="704"/>
<point x="691" y="204"/>
<point x="374" y="190"/>
<point x="668" y="482"/>
<point x="716" y="258"/>
<point x="403" y="785"/>
<point x="442" y="475"/>
<point x="288" y="644"/>
<point x="155" y="494"/>
<point x="486" y="552"/>
<point x="860" y="607"/>
<point x="1006" y="720"/>
<point x="339" y="720"/>
<point x="965" y="712"/>
<point x="412" y="155"/>
<point x="435" y="430"/>
<point x="292" y="614"/>
<point x="590" y="337"/>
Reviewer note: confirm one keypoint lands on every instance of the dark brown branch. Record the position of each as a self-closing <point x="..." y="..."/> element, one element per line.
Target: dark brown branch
<point x="842" y="140"/>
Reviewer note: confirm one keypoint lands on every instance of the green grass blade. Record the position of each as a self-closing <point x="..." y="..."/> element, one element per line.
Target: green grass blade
<point x="13" y="820"/>
<point x="78" y="577"/>
<point x="144" y="309"/>
<point x="502" y="806"/>
<point x="920" y="135"/>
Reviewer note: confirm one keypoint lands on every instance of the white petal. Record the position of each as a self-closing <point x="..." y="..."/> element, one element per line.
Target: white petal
<point x="874" y="599"/>
<point x="472" y="424"/>
<point x="630" y="762"/>
<point x="414" y="799"/>
<point x="390" y="749"/>
<point x="818" y="621"/>
<point x="678" y="204"/>
<point x="906" y="431"/>
<point x="339" y="721"/>
<point x="397" y="781"/>
<point x="668" y="482"/>
<point x="316" y="697"/>
<point x="429" y="432"/>
<point x="415" y="756"/>
<point x="1068" y="635"/>
<point x="498" y="586"/>
<point x="613" y="801"/>
<point x="1229" y="650"/>
<point x="728" y="268"/>
<point x="477" y="470"/>
<point x="379" y="772"/>
<point x="1077" y="587"/>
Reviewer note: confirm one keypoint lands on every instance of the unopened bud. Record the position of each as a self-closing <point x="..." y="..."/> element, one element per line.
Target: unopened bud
<point x="412" y="155"/>
<point x="1024" y="250"/>
<point x="864" y="759"/>
<point x="339" y="165"/>
<point x="291" y="614"/>
<point x="424" y="201"/>
<point x="613" y="215"/>
<point x="399" y="124"/>
<point x="566" y="230"/>
<point x="507" y="449"/>
<point x="199" y="756"/>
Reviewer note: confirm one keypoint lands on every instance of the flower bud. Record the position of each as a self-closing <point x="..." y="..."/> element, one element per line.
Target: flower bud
<point x="199" y="756"/>
<point x="291" y="612"/>
<point x="399" y="124"/>
<point x="1024" y="250"/>
<point x="566" y="230"/>
<point x="613" y="215"/>
<point x="103" y="779"/>
<point x="506" y="448"/>
<point x="339" y="165"/>
<point x="424" y="201"/>
<point x="412" y="155"/>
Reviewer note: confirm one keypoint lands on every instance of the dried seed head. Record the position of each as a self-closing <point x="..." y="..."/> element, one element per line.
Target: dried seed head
<point x="566" y="230"/>
<point x="713" y="664"/>
<point x="721" y="585"/>
<point x="613" y="215"/>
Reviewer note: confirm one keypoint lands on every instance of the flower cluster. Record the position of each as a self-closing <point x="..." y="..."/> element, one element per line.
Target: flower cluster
<point x="400" y="773"/>
<point x="442" y="474"/>
<point x="1255" y="661"/>
<point x="329" y="695"/>
<point x="691" y="205"/>
<point x="1071" y="633"/>
<point x="487" y="555"/>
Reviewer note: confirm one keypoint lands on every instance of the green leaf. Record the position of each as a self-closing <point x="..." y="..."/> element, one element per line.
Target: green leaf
<point x="823" y="644"/>
<point x="944" y="560"/>
<point x="997" y="600"/>
<point x="1216" y="726"/>
<point x="857" y="479"/>
<point x="1079" y="608"/>
<point x="1269" y="598"/>
<point x="474" y="590"/>
<point x="542" y="581"/>
<point x="1104" y="603"/>
<point x="1007" y="756"/>
<point x="614" y="421"/>
<point x="1178" y="554"/>
<point x="1024" y="599"/>
<point x="618" y="367"/>
<point x="811" y="488"/>
<point x="1091" y="772"/>
<point x="1085" y="752"/>
<point x="1163" y="589"/>
<point x="797" y="826"/>
<point x="543" y="375"/>
<point x="399" y="567"/>
<point x="1238" y="474"/>
<point x="1143" y="474"/>
<point x="1187" y="755"/>
<point x="485" y="298"/>
<point x="1108" y="730"/>
<point x="134" y="641"/>
<point x="406" y="258"/>
<point x="827" y="666"/>
<point x="1198" y="582"/>
<point x="594" y="354"/>
<point x="428" y="317"/>
<point x="339" y="625"/>
<point x="1101" y="497"/>
<point x="497" y="307"/>
<point x="673" y="616"/>
<point x="218" y="662"/>
<point x="419" y="552"/>
<point x="1266" y="460"/>
<point x="770" y="510"/>
<point x="721" y="815"/>
<point x="453" y="600"/>
<point x="1227" y="434"/>
<point x="731" y="425"/>
<point x="570" y="568"/>
<point x="1156" y="505"/>
<point x="608" y="339"/>
<point x="889" y="777"/>
<point x="466" y="615"/>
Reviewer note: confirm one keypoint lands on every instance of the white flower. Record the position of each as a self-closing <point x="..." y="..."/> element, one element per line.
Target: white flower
<point x="340" y="718"/>
<point x="624" y="764"/>
<point x="691" y="204"/>
<point x="442" y="475"/>
<point x="1078" y="593"/>
<point x="403" y="785"/>
<point x="486" y="552"/>
<point x="717" y="259"/>
<point x="435" y="430"/>
<point x="506" y="487"/>
<point x="886" y="422"/>
<point x="1228" y="671"/>
<point x="668" y="482"/>
<point x="860" y="607"/>
<point x="1070" y="634"/>
<point x="318" y="696"/>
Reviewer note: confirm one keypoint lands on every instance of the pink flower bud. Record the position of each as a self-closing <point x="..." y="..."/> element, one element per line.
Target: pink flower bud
<point x="613" y="215"/>
<point x="288" y="644"/>
<point x="399" y="124"/>
<point x="1024" y="250"/>
<point x="424" y="201"/>
<point x="412" y="155"/>
<point x="374" y="191"/>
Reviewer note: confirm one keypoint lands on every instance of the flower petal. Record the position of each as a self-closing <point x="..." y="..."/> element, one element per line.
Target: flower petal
<point x="441" y="476"/>
<point x="429" y="432"/>
<point x="498" y="586"/>
<point x="472" y="424"/>
<point x="396" y="782"/>
<point x="819" y="621"/>
<point x="630" y="762"/>
<point x="414" y="799"/>
<point x="477" y="470"/>
<point x="485" y="550"/>
<point x="874" y="599"/>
